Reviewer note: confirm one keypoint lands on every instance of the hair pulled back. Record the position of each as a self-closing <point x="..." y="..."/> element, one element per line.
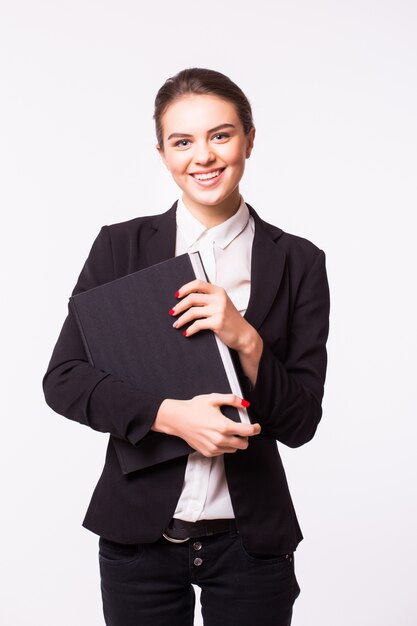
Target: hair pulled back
<point x="200" y="81"/>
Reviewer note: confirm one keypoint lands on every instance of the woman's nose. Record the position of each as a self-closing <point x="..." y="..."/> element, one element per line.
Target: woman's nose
<point x="203" y="154"/>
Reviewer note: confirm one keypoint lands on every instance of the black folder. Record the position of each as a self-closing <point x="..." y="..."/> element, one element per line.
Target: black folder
<point x="127" y="331"/>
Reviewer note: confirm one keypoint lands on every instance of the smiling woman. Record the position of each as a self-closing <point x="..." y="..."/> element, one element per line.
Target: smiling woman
<point x="205" y="163"/>
<point x="221" y="517"/>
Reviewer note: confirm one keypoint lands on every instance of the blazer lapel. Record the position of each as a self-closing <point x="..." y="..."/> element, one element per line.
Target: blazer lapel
<point x="161" y="244"/>
<point x="268" y="263"/>
<point x="268" y="259"/>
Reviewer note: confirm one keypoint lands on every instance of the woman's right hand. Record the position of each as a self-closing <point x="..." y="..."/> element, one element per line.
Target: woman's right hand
<point x="203" y="426"/>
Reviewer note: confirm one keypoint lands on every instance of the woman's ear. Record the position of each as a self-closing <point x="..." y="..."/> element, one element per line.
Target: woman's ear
<point x="250" y="139"/>
<point x="162" y="155"/>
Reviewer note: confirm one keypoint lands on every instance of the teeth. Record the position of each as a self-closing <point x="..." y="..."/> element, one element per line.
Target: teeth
<point x="207" y="176"/>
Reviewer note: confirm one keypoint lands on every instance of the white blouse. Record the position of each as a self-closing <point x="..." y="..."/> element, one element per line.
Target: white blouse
<point x="226" y="252"/>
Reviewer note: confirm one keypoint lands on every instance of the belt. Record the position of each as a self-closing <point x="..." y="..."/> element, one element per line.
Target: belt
<point x="179" y="530"/>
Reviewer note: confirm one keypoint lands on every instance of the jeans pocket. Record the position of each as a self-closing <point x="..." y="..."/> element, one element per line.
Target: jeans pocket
<point x="114" y="553"/>
<point x="265" y="558"/>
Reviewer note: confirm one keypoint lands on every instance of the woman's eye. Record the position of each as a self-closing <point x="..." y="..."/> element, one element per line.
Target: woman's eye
<point x="183" y="143"/>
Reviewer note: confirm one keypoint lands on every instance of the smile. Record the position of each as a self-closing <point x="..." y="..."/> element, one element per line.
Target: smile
<point x="206" y="179"/>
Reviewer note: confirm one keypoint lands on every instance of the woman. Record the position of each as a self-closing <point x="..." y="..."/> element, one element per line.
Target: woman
<point x="222" y="516"/>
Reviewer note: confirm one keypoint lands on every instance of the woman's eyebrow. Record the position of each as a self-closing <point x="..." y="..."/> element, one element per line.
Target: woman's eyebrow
<point x="212" y="130"/>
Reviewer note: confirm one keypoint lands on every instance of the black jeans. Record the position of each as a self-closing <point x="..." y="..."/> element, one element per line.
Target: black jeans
<point x="151" y="584"/>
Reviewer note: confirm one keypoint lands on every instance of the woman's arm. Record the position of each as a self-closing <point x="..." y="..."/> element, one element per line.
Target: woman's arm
<point x="285" y="395"/>
<point x="85" y="394"/>
<point x="80" y="392"/>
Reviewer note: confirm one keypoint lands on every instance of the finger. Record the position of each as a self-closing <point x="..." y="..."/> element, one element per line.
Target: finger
<point x="240" y="443"/>
<point x="194" y="299"/>
<point x="205" y="323"/>
<point x="243" y="430"/>
<point x="231" y="444"/>
<point x="231" y="427"/>
<point x="193" y="314"/>
<point x="197" y="285"/>
<point x="219" y="452"/>
<point x="231" y="399"/>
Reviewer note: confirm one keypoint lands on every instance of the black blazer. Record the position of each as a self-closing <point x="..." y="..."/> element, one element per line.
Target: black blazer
<point x="288" y="305"/>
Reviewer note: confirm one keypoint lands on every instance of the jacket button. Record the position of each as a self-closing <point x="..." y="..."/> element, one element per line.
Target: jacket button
<point x="198" y="561"/>
<point x="197" y="545"/>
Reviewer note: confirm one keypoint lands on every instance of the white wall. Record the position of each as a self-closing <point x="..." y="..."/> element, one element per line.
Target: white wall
<point x="333" y="88"/>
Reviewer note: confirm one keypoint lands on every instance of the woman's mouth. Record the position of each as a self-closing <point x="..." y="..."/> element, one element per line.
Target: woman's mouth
<point x="211" y="178"/>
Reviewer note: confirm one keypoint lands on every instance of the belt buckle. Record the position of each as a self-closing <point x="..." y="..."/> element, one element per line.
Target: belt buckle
<point x="175" y="540"/>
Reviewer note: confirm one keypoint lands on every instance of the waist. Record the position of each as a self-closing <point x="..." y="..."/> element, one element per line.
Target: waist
<point x="182" y="530"/>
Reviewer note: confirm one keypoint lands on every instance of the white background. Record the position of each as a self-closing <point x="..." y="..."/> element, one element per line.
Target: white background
<point x="333" y="90"/>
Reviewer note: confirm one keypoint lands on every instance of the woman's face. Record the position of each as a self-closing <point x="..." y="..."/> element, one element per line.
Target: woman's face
<point x="202" y="135"/>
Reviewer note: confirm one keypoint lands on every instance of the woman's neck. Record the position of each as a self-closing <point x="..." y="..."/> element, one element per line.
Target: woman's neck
<point x="211" y="216"/>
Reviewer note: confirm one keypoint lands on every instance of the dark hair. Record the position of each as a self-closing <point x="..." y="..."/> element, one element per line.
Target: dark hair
<point x="197" y="80"/>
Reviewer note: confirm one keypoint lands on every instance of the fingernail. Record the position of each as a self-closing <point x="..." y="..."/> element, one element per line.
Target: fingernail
<point x="185" y="333"/>
<point x="245" y="403"/>
<point x="177" y="294"/>
<point x="171" y="312"/>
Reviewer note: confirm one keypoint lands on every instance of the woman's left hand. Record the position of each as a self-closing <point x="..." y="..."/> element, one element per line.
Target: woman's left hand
<point x="206" y="306"/>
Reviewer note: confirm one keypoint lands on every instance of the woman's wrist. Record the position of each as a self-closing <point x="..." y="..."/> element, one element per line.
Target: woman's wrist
<point x="250" y="352"/>
<point x="249" y="342"/>
<point x="167" y="417"/>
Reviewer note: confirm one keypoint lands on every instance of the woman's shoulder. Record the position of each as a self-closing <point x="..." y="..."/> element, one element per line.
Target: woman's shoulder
<point x="139" y="229"/>
<point x="294" y="246"/>
<point x="133" y="225"/>
<point x="300" y="246"/>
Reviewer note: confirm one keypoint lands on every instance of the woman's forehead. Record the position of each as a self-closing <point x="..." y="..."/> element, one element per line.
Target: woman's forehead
<point x="198" y="113"/>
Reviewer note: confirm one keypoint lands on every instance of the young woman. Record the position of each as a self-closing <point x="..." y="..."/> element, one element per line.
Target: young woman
<point x="222" y="516"/>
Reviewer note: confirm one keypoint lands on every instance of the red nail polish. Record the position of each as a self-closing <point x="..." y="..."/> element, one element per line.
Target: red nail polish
<point x="171" y="311"/>
<point x="245" y="403"/>
<point x="185" y="333"/>
<point x="177" y="294"/>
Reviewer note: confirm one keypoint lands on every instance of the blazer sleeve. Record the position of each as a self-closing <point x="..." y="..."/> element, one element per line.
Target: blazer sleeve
<point x="78" y="391"/>
<point x="287" y="396"/>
